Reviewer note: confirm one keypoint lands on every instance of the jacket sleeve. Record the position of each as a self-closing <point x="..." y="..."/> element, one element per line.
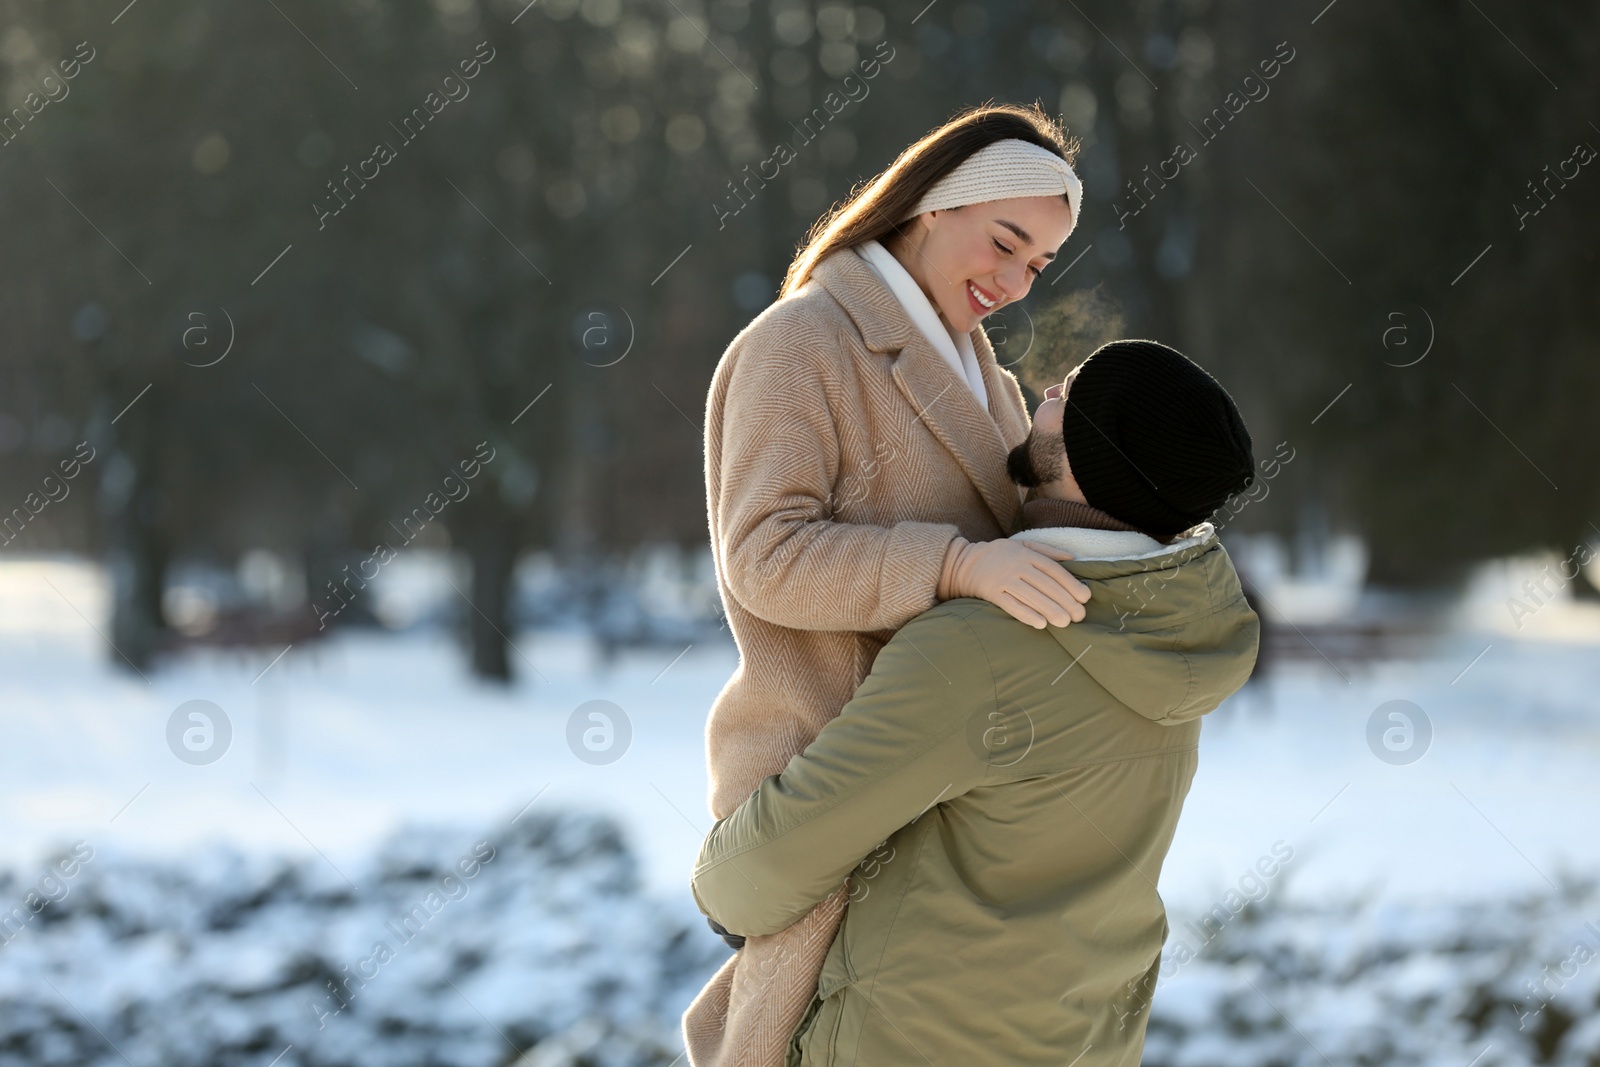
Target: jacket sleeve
<point x="901" y="745"/>
<point x="783" y="556"/>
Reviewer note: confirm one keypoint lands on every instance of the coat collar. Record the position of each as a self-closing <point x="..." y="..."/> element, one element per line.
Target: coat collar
<point x="1044" y="511"/>
<point x="978" y="440"/>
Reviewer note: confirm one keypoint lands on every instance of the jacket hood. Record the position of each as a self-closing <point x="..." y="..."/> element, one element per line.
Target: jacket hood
<point x="1167" y="630"/>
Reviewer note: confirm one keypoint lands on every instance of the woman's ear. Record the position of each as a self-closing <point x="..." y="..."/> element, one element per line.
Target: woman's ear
<point x="913" y="233"/>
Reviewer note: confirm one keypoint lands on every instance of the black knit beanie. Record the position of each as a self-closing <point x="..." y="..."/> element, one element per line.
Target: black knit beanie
<point x="1153" y="439"/>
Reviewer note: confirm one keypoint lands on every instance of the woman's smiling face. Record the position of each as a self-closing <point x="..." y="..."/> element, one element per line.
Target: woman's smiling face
<point x="973" y="260"/>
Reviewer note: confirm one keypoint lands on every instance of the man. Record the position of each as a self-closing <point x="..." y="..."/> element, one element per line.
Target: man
<point x="1013" y="790"/>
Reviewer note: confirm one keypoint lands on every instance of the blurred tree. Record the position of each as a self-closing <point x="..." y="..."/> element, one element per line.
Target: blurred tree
<point x="548" y="265"/>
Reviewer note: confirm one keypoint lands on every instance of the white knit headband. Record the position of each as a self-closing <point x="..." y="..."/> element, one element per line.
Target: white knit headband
<point x="1004" y="170"/>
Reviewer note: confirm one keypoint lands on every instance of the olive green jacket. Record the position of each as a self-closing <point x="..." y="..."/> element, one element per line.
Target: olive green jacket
<point x="1014" y="793"/>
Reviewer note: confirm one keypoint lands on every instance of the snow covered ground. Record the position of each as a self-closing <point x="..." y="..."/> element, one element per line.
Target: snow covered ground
<point x="336" y="746"/>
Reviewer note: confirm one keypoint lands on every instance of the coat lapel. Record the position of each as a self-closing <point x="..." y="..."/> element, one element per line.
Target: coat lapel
<point x="1004" y="405"/>
<point x="1008" y="410"/>
<point x="941" y="400"/>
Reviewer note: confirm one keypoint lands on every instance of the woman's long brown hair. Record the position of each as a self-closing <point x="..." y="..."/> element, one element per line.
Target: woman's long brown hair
<point x="878" y="209"/>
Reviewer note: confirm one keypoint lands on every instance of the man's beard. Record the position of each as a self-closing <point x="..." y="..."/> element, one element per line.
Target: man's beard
<point x="1037" y="460"/>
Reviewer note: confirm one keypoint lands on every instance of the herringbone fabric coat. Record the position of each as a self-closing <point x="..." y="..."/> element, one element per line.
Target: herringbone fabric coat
<point x="842" y="457"/>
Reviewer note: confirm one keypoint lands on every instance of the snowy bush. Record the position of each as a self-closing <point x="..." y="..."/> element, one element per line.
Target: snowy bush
<point x="531" y="938"/>
<point x="532" y="943"/>
<point x="1485" y="983"/>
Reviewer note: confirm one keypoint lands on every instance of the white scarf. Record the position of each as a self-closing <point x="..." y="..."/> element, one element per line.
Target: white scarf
<point x="956" y="348"/>
<point x="1085" y="543"/>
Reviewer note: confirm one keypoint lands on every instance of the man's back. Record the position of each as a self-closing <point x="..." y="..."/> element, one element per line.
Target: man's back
<point x="1036" y="777"/>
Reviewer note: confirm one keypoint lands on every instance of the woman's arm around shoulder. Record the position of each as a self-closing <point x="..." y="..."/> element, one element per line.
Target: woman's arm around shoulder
<point x="773" y="461"/>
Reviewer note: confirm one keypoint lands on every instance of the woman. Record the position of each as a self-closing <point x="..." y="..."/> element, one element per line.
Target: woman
<point x="856" y="441"/>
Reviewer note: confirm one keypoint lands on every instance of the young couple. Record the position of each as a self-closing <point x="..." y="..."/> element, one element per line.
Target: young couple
<point x="969" y="691"/>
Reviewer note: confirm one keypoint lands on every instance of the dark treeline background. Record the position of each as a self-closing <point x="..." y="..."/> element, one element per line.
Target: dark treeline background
<point x="564" y="234"/>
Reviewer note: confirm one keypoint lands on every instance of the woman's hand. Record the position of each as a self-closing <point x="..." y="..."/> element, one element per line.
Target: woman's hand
<point x="1023" y="578"/>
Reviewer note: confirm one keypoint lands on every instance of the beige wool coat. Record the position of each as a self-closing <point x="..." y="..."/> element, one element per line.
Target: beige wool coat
<point x="843" y="454"/>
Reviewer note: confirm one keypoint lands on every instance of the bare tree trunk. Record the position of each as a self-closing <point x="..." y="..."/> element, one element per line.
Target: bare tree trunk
<point x="490" y="541"/>
<point x="137" y="555"/>
<point x="138" y="542"/>
<point x="138" y="566"/>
